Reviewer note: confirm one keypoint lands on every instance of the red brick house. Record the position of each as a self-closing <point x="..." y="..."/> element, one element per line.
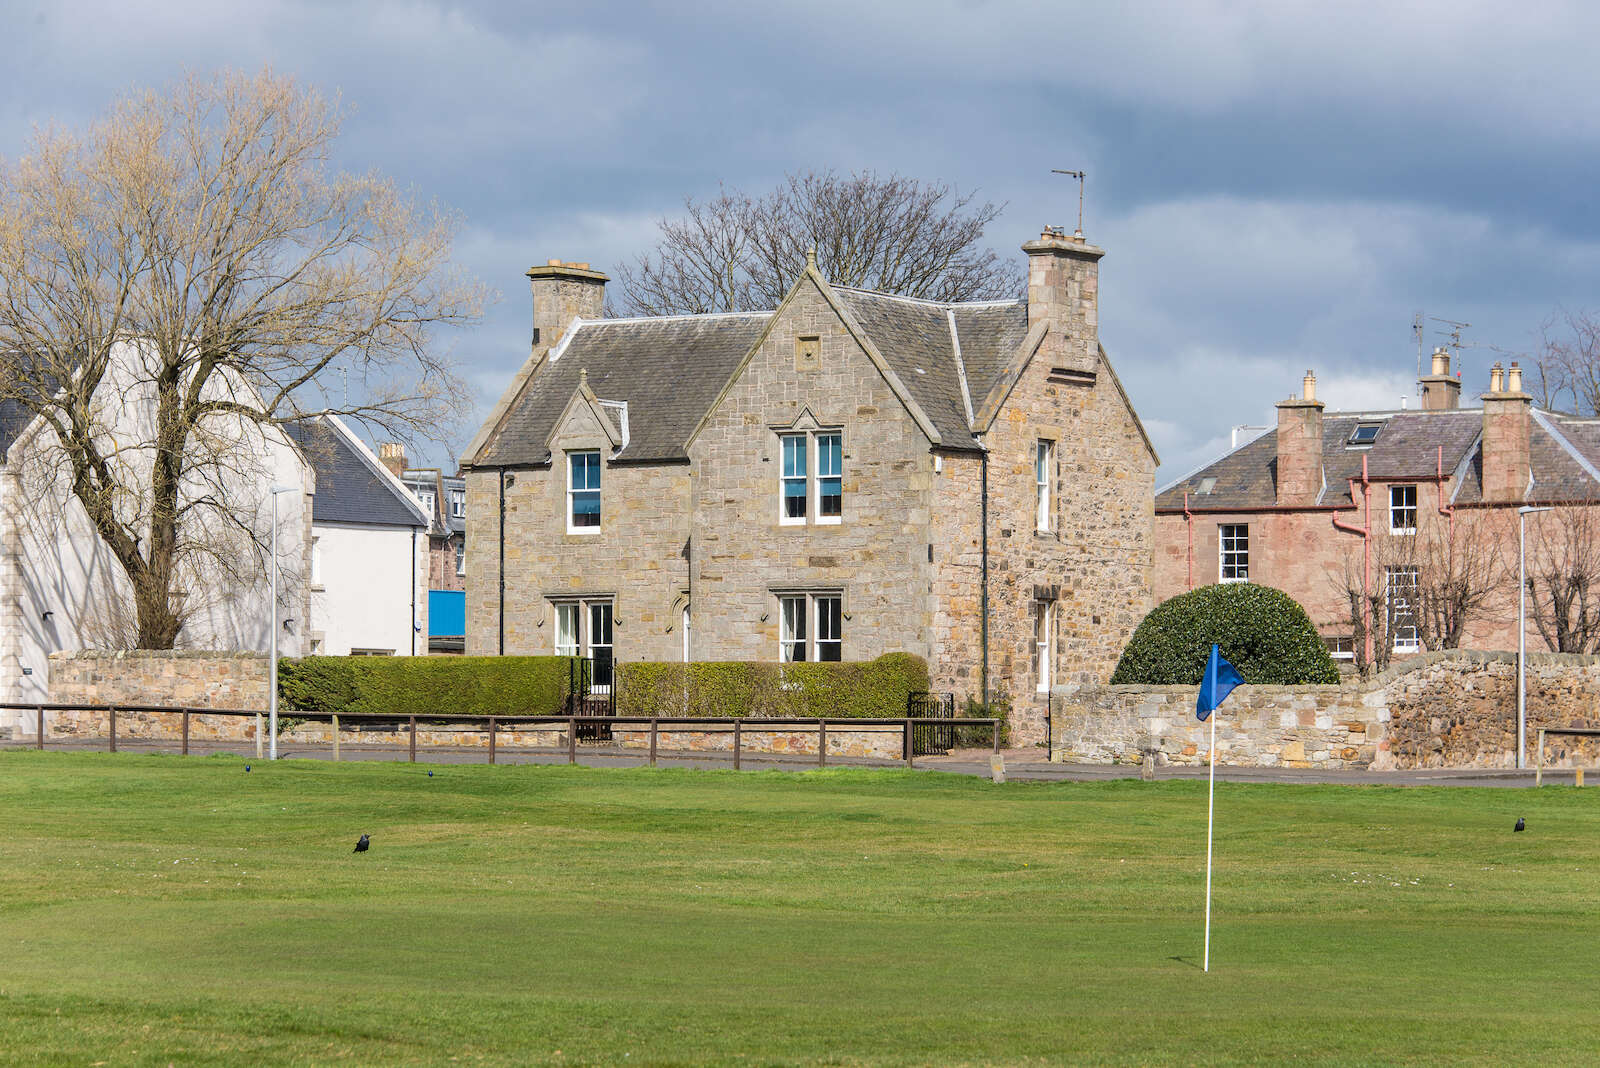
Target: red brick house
<point x="1370" y="518"/>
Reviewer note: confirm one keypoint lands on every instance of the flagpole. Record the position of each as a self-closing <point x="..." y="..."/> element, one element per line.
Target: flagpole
<point x="1211" y="797"/>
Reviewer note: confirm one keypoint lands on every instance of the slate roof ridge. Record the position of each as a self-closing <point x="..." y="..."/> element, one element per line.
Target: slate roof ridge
<point x="623" y="319"/>
<point x="945" y="304"/>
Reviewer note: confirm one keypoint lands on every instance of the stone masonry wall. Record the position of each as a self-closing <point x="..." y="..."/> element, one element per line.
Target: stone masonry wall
<point x="877" y="555"/>
<point x="183" y="679"/>
<point x="1451" y="709"/>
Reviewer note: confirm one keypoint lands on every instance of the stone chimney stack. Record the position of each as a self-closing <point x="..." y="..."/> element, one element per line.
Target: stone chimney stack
<point x="1300" y="447"/>
<point x="1064" y="290"/>
<point x="1441" y="391"/>
<point x="393" y="456"/>
<point x="1506" y="418"/>
<point x="563" y="292"/>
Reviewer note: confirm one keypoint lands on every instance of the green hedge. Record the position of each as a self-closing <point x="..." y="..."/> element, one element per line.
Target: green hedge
<point x="417" y="685"/>
<point x="1262" y="631"/>
<point x="860" y="690"/>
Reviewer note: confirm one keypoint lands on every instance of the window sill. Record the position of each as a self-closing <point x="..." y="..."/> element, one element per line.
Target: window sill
<point x="317" y="587"/>
<point x="584" y="532"/>
<point x="1403" y="532"/>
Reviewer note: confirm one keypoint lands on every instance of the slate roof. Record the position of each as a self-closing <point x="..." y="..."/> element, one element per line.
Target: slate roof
<point x="14" y="418"/>
<point x="1564" y="454"/>
<point x="670" y="370"/>
<point x="350" y="487"/>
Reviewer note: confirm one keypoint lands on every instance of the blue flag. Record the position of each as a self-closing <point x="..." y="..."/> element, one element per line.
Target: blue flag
<point x="1221" y="678"/>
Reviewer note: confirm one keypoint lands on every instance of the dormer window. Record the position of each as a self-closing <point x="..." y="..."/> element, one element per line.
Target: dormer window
<point x="1365" y="433"/>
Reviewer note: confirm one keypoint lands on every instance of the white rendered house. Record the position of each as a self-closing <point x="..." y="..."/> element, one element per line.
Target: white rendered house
<point x="61" y="589"/>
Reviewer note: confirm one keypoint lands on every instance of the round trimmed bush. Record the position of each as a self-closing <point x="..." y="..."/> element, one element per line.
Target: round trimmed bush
<point x="1262" y="631"/>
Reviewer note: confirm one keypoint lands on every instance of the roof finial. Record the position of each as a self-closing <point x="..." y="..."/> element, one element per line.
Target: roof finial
<point x="583" y="377"/>
<point x="811" y="258"/>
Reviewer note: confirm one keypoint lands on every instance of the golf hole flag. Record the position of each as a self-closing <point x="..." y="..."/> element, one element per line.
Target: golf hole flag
<point x="1220" y="679"/>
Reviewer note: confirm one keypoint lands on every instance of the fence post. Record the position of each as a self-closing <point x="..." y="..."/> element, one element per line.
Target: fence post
<point x="335" y="726"/>
<point x="186" y="732"/>
<point x="413" y="721"/>
<point x="41" y="726"/>
<point x="736" y="745"/>
<point x="258" y="735"/>
<point x="491" y="739"/>
<point x="909" y="764"/>
<point x="822" y="743"/>
<point x="653" y="732"/>
<point x="996" y="735"/>
<point x="1538" y="768"/>
<point x="572" y="739"/>
<point x="113" y="712"/>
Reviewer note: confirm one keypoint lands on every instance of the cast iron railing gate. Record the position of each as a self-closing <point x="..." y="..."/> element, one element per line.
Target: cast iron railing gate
<point x="592" y="691"/>
<point x="928" y="738"/>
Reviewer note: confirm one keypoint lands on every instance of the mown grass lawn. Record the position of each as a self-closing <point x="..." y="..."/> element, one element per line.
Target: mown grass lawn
<point x="162" y="909"/>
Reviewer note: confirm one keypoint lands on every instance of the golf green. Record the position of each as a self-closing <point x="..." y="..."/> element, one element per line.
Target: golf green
<point x="184" y="910"/>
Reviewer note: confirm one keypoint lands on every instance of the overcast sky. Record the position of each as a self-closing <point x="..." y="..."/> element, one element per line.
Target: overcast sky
<point x="1278" y="186"/>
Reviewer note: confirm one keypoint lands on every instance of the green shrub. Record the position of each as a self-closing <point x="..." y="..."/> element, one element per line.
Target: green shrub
<point x="418" y="685"/>
<point x="1261" y="631"/>
<point x="871" y="689"/>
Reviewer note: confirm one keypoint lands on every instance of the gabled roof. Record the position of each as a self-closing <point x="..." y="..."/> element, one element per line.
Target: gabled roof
<point x="352" y="486"/>
<point x="1564" y="455"/>
<point x="664" y="375"/>
<point x="14" y="418"/>
<point x="668" y="370"/>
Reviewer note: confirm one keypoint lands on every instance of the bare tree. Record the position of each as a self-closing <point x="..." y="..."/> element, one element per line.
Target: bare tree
<point x="194" y="255"/>
<point x="1568" y="362"/>
<point x="1563" y="578"/>
<point x="738" y="252"/>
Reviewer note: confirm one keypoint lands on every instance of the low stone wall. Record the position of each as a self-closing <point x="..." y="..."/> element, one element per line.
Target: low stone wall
<point x="1448" y="709"/>
<point x="145" y="677"/>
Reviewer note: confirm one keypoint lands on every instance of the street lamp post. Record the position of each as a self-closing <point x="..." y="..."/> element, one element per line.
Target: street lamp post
<point x="1522" y="631"/>
<point x="272" y="636"/>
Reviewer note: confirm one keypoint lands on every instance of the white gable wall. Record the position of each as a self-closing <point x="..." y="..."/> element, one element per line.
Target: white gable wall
<point x="372" y="589"/>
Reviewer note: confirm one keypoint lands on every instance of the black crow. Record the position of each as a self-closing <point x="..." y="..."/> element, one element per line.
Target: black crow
<point x="361" y="846"/>
<point x="1522" y="824"/>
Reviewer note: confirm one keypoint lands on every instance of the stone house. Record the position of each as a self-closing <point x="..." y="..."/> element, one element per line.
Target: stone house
<point x="1395" y="503"/>
<point x="849" y="475"/>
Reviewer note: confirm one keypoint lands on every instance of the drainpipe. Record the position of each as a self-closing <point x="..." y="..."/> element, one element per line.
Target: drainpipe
<point x="1447" y="510"/>
<point x="413" y="591"/>
<point x="1188" y="519"/>
<point x="1365" y="530"/>
<point x="983" y="552"/>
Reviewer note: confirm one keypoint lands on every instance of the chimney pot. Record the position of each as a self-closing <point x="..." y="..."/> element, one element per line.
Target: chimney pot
<point x="392" y="455"/>
<point x="1495" y="376"/>
<point x="1514" y="378"/>
<point x="552" y="263"/>
<point x="1441" y="362"/>
<point x="1310" y="385"/>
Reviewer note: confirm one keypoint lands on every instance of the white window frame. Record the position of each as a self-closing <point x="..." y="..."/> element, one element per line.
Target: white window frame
<point x="427" y="500"/>
<point x="811" y="477"/>
<point x="817" y="614"/>
<point x="1398" y="509"/>
<point x="575" y="625"/>
<point x="1228" y="546"/>
<point x="685" y="634"/>
<point x="1044" y="462"/>
<point x="1406" y="639"/>
<point x="1043" y="625"/>
<point x="461" y="557"/>
<point x="458" y="504"/>
<point x="572" y="492"/>
<point x="316" y="563"/>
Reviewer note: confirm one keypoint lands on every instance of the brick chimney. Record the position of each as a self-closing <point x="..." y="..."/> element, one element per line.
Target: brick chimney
<point x="1441" y="391"/>
<point x="1300" y="447"/>
<point x="1064" y="290"/>
<point x="1506" y="415"/>
<point x="563" y="292"/>
<point x="393" y="456"/>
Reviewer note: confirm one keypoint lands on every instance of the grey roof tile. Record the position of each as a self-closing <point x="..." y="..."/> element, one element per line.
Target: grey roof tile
<point x="14" y="418"/>
<point x="349" y="488"/>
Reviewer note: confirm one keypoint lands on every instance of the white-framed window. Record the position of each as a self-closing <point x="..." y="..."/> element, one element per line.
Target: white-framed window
<point x="1341" y="646"/>
<point x="1043" y="465"/>
<point x="1402" y="509"/>
<point x="461" y="556"/>
<point x="1233" y="545"/>
<point x="584" y="628"/>
<point x="583" y="492"/>
<point x="1400" y="604"/>
<point x="426" y="498"/>
<point x="811" y="477"/>
<point x="316" y="563"/>
<point x="685" y="634"/>
<point x="1041" y="645"/>
<point x="458" y="504"/>
<point x="810" y="627"/>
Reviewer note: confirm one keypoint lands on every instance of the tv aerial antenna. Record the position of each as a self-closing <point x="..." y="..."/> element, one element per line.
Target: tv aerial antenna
<point x="1454" y="333"/>
<point x="1079" y="175"/>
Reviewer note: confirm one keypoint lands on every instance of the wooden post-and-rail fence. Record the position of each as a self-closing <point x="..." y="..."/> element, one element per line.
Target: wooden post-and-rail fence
<point x="492" y="725"/>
